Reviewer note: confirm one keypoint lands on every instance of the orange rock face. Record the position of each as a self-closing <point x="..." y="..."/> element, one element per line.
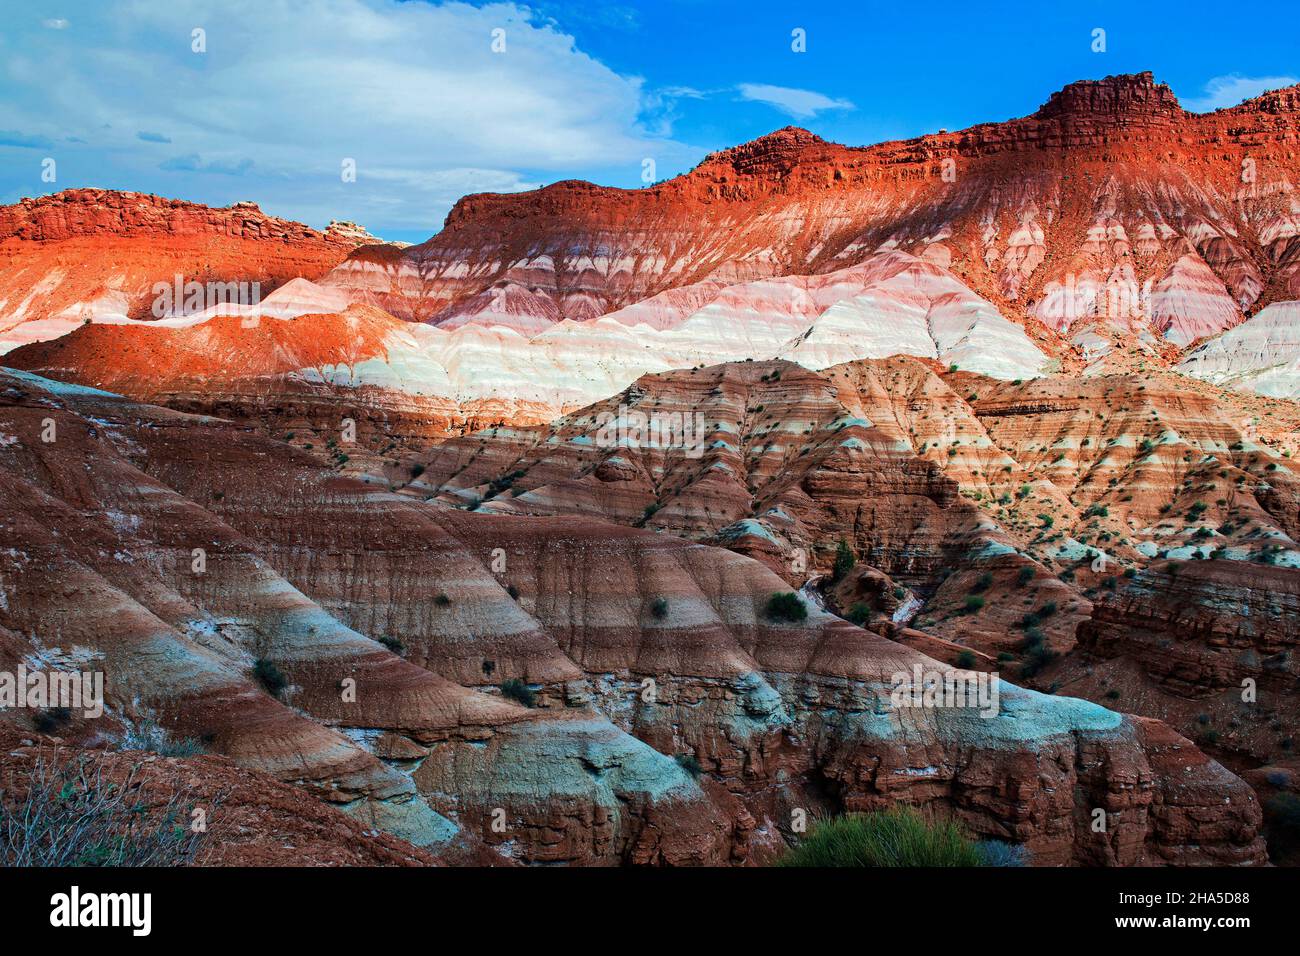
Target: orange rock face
<point x="83" y="254"/>
<point x="1109" y="208"/>
<point x="1208" y="646"/>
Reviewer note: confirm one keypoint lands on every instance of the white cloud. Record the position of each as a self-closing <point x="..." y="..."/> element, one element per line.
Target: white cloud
<point x="803" y="104"/>
<point x="1224" y="91"/>
<point x="287" y="90"/>
<point x="53" y="24"/>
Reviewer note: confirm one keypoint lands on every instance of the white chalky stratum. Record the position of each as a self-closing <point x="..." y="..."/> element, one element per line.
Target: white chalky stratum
<point x="891" y="304"/>
<point x="1261" y="355"/>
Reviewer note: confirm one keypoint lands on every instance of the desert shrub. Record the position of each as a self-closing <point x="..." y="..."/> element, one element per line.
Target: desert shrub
<point x="844" y="561"/>
<point x="983" y="583"/>
<point x="269" y="676"/>
<point x="502" y="483"/>
<point x="1036" y="658"/>
<point x="785" y="606"/>
<point x="859" y="614"/>
<point x="974" y="603"/>
<point x="659" y="608"/>
<point x="1025" y="576"/>
<point x="998" y="853"/>
<point x="50" y="719"/>
<point x="518" y="691"/>
<point x="442" y="600"/>
<point x="75" y="812"/>
<point x="966" y="660"/>
<point x="147" y="735"/>
<point x="394" y="644"/>
<point x="512" y="591"/>
<point x="1278" y="778"/>
<point x="899" y="836"/>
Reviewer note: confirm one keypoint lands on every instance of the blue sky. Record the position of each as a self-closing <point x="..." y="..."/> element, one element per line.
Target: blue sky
<point x="284" y="93"/>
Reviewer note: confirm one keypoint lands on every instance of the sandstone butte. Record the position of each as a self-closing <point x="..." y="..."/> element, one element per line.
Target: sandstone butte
<point x="1036" y="375"/>
<point x="87" y="254"/>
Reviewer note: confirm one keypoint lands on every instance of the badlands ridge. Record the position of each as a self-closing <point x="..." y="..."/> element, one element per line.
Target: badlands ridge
<point x="1037" y="377"/>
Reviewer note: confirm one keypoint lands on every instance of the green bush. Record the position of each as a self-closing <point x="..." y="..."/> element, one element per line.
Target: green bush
<point x="859" y="614"/>
<point x="517" y="690"/>
<point x="269" y="676"/>
<point x="394" y="644"/>
<point x="899" y="836"/>
<point x="997" y="853"/>
<point x="97" y="811"/>
<point x="785" y="607"/>
<point x="844" y="561"/>
<point x="1036" y="658"/>
<point x="966" y="660"/>
<point x="659" y="608"/>
<point x="974" y="603"/>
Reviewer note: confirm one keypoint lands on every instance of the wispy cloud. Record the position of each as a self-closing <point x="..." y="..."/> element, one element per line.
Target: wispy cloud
<point x="801" y="104"/>
<point x="1224" y="91"/>
<point x="414" y="94"/>
<point x="11" y="137"/>
<point x="55" y="24"/>
<point x="193" y="163"/>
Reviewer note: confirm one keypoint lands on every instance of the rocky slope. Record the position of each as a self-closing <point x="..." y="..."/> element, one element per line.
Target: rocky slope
<point x="648" y="657"/>
<point x="1261" y="355"/>
<point x="893" y="303"/>
<point x="1111" y="209"/>
<point x="1109" y="232"/>
<point x="955" y="486"/>
<point x="94" y="254"/>
<point x="1207" y="646"/>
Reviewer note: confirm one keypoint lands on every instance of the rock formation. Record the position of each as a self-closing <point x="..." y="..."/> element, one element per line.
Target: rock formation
<point x="677" y="732"/>
<point x="86" y="255"/>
